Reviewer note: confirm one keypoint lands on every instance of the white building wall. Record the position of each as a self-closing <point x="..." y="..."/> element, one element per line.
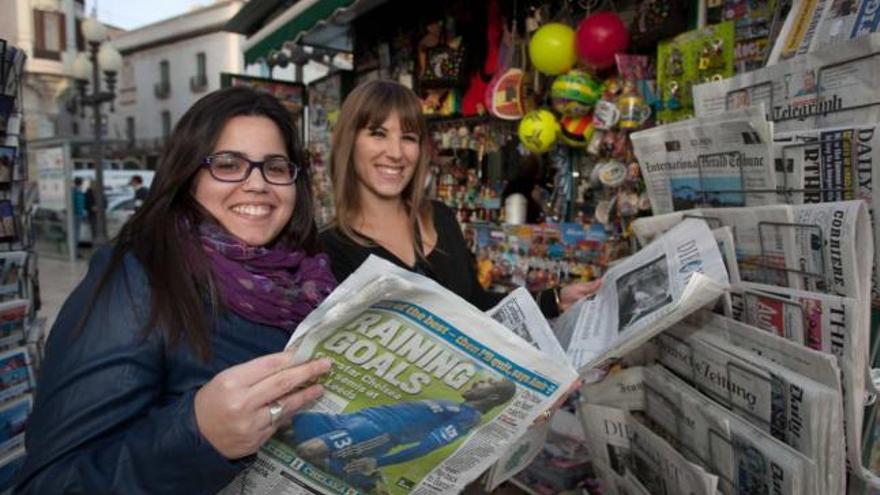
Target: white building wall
<point x="177" y="40"/>
<point x="137" y="96"/>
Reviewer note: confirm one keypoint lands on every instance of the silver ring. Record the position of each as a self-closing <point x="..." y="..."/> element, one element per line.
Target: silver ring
<point x="275" y="410"/>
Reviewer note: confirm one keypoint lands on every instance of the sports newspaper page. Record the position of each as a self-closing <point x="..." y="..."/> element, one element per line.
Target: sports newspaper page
<point x="425" y="394"/>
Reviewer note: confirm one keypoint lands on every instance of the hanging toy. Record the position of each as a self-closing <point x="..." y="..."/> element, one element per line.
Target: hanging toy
<point x="538" y="130"/>
<point x="576" y="131"/>
<point x="600" y="37"/>
<point x="551" y="49"/>
<point x="574" y="93"/>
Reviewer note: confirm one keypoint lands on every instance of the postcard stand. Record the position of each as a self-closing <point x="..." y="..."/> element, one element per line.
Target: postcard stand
<point x="18" y="275"/>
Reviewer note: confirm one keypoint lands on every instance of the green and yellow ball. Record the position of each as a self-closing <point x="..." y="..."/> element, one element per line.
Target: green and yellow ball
<point x="538" y="130"/>
<point x="574" y="93"/>
<point x="576" y="131"/>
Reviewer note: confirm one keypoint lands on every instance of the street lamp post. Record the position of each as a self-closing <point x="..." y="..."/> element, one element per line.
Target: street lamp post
<point x="86" y="68"/>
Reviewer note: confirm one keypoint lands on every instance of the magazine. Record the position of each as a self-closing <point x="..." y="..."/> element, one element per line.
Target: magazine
<point x="13" y="422"/>
<point x="12" y="266"/>
<point x="16" y="375"/>
<point x="678" y="273"/>
<point x="712" y="161"/>
<point x="425" y="394"/>
<point x="12" y="319"/>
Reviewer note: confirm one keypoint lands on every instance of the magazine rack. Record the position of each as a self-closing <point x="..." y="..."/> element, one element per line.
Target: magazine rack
<point x="20" y="333"/>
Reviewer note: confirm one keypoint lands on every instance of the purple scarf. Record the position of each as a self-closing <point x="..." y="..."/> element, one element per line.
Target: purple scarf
<point x="272" y="286"/>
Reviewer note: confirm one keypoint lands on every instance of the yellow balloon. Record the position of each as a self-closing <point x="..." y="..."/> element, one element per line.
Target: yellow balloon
<point x="538" y="130"/>
<point x="551" y="49"/>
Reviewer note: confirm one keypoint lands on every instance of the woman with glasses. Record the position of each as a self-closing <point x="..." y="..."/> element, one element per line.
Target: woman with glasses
<point x="162" y="373"/>
<point x="379" y="166"/>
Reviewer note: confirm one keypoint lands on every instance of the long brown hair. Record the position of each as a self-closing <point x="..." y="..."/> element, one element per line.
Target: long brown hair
<point x="367" y="106"/>
<point x="162" y="234"/>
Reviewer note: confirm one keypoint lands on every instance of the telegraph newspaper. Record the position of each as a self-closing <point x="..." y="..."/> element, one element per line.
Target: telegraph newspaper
<point x="716" y="161"/>
<point x="425" y="394"/>
<point x="831" y="87"/>
<point x="678" y="273"/>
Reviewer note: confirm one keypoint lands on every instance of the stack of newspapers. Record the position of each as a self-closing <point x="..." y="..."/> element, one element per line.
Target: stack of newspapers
<point x="824" y="108"/>
<point x="800" y="299"/>
<point x="427" y="393"/>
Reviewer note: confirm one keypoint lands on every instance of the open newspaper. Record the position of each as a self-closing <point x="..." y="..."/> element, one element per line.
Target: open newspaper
<point x="793" y="408"/>
<point x="520" y="314"/>
<point x="831" y="87"/>
<point x="678" y="273"/>
<point x="708" y="161"/>
<point x="425" y="394"/>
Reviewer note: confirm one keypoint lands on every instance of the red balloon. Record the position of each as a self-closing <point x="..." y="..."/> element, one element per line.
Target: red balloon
<point x="599" y="37"/>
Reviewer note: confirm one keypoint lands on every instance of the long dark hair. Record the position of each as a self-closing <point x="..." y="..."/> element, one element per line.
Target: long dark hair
<point x="162" y="234"/>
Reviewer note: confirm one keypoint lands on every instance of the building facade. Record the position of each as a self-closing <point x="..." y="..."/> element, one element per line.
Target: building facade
<point x="167" y="66"/>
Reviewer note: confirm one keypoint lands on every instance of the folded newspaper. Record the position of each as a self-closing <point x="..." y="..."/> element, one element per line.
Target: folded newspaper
<point x="678" y="273"/>
<point x="815" y="24"/>
<point x="793" y="408"/>
<point x="823" y="247"/>
<point x="425" y="394"/>
<point x="618" y="442"/>
<point x="826" y="323"/>
<point x="720" y="160"/>
<point x="831" y="87"/>
<point x="745" y="458"/>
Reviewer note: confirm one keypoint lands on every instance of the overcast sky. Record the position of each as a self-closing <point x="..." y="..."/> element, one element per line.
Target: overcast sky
<point x="132" y="14"/>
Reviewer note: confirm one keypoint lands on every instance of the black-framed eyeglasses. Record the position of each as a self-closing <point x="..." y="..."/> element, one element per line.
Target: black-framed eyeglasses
<point x="229" y="167"/>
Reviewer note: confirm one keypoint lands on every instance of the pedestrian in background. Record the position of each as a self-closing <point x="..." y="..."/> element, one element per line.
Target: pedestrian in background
<point x="140" y="191"/>
<point x="79" y="210"/>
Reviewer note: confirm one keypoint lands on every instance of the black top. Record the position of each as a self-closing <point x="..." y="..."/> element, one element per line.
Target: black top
<point x="450" y="263"/>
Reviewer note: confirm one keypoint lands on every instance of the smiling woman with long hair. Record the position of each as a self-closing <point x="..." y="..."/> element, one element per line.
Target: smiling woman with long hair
<point x="379" y="165"/>
<point x="162" y="373"/>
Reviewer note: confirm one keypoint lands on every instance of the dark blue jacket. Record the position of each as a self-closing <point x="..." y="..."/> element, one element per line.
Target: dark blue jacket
<point x="113" y="411"/>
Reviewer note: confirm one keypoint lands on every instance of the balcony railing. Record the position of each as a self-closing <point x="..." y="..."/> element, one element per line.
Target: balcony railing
<point x="162" y="89"/>
<point x="198" y="83"/>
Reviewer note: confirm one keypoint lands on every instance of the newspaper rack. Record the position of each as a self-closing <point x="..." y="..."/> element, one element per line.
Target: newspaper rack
<point x="751" y="90"/>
